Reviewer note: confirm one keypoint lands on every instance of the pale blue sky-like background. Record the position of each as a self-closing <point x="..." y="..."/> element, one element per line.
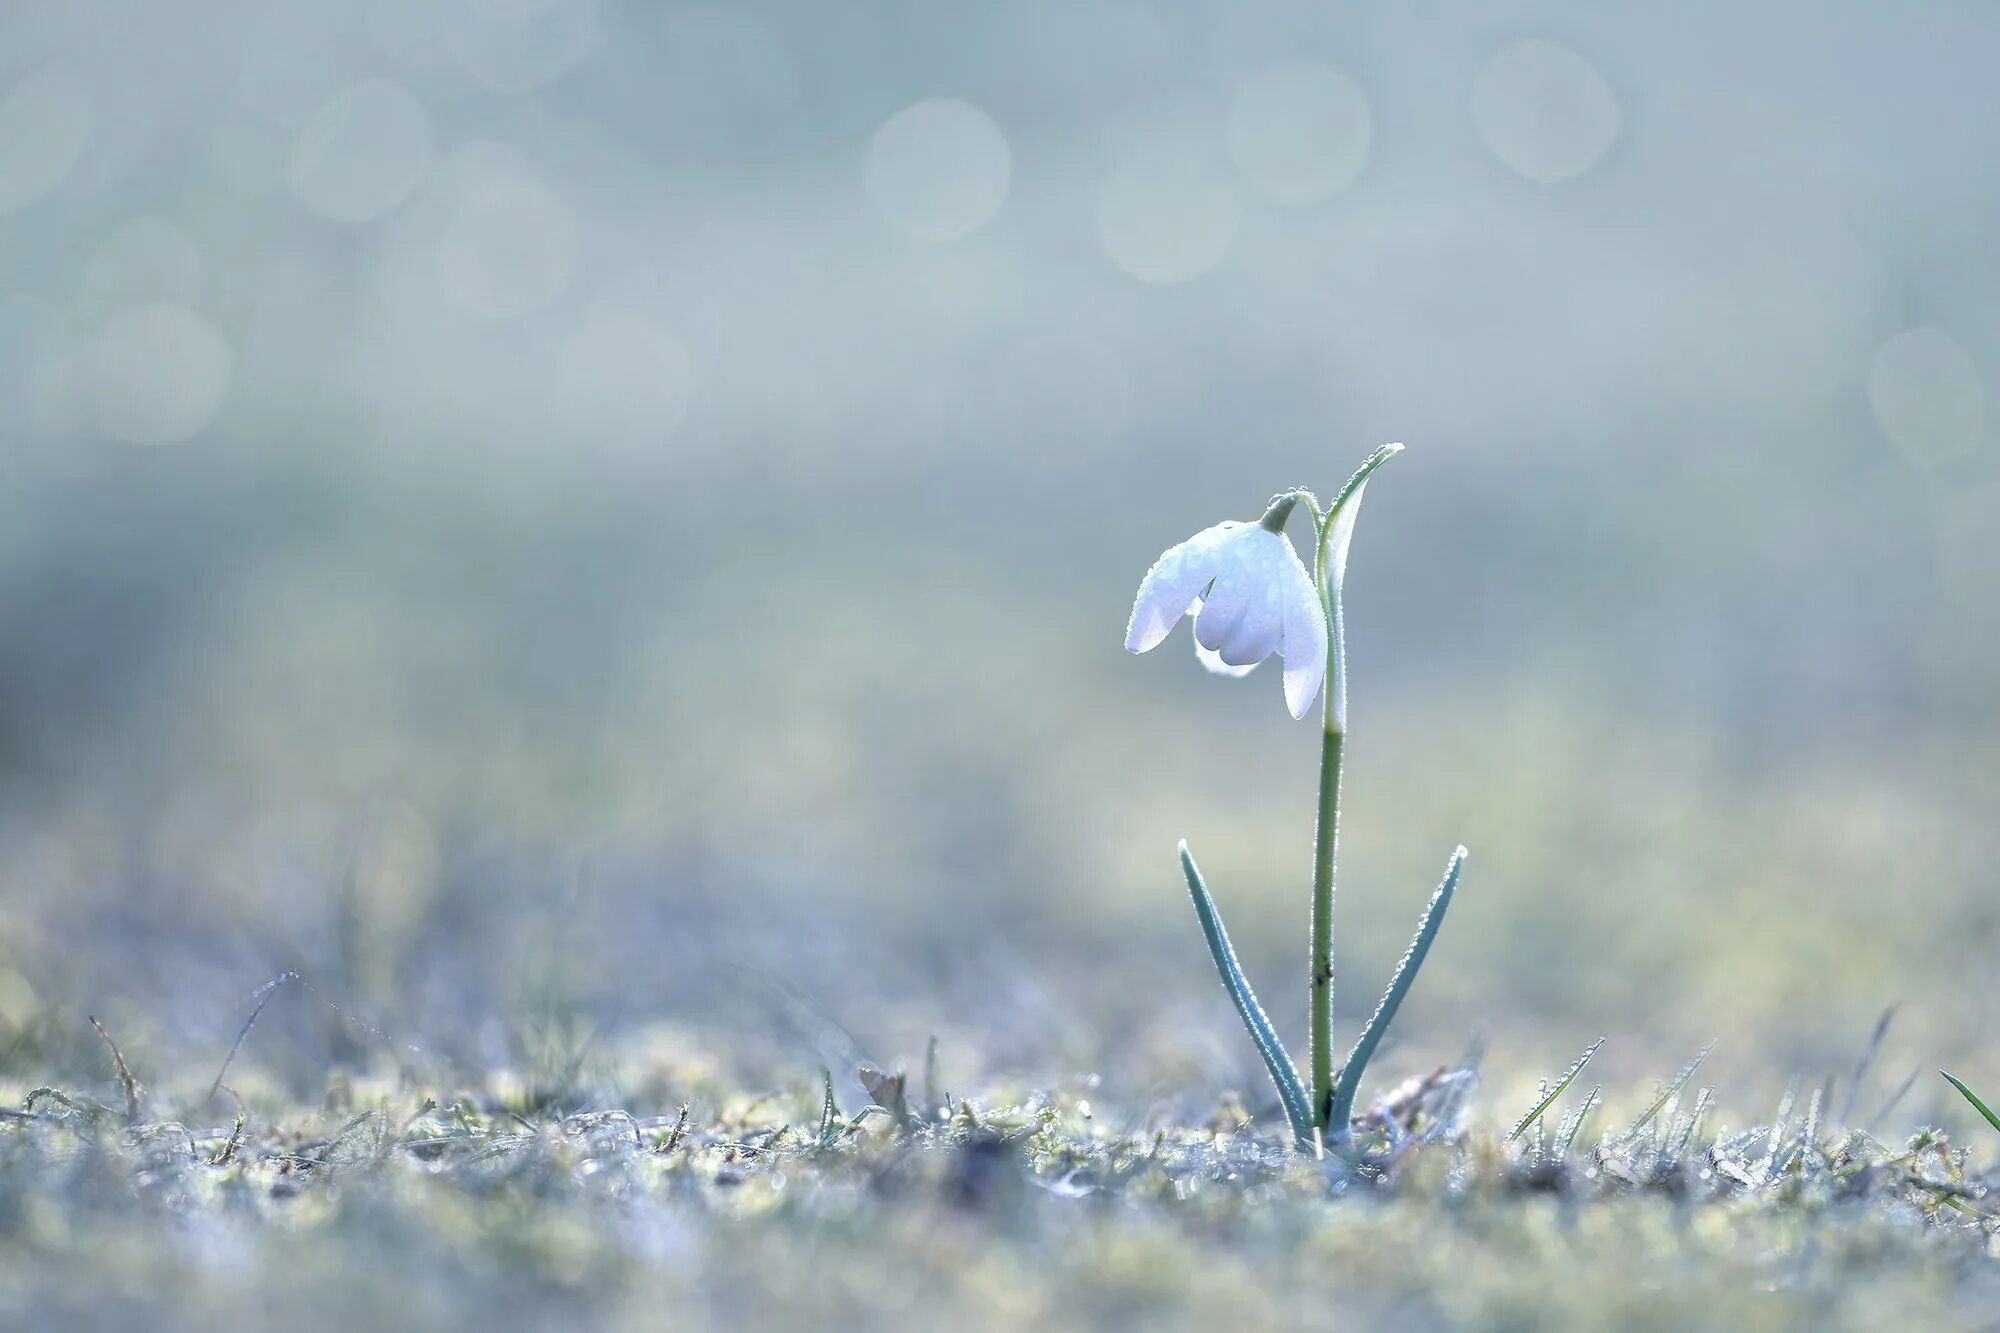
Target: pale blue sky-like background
<point x="627" y="502"/>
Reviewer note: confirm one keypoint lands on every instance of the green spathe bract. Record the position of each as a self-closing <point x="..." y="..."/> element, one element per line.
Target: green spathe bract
<point x="1250" y="601"/>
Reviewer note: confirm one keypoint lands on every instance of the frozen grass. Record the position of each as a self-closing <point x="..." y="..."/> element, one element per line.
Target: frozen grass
<point x="390" y="1204"/>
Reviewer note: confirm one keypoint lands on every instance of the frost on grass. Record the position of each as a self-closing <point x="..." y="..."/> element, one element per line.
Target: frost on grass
<point x="390" y="1204"/>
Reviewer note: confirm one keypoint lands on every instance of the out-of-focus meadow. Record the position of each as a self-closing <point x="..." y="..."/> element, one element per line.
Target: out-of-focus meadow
<point x="576" y="525"/>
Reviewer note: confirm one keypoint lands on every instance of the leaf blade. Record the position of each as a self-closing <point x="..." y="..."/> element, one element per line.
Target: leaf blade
<point x="1392" y="996"/>
<point x="1971" y="1096"/>
<point x="1291" y="1091"/>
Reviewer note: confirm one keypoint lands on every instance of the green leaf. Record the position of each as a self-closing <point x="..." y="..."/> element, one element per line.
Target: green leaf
<point x="1392" y="997"/>
<point x="1284" y="1073"/>
<point x="1969" y="1095"/>
<point x="1569" y="1077"/>
<point x="1361" y="474"/>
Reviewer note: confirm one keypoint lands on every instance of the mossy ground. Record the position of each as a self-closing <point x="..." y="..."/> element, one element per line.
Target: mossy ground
<point x="389" y="1204"/>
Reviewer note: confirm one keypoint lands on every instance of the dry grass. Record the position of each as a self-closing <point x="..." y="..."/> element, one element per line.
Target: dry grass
<point x="390" y="1204"/>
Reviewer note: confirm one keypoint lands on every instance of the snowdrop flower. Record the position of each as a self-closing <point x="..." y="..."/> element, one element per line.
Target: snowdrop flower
<point x="1250" y="597"/>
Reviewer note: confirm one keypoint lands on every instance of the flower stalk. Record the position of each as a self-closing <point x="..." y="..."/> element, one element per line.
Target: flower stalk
<point x="1336" y="522"/>
<point x="1326" y="856"/>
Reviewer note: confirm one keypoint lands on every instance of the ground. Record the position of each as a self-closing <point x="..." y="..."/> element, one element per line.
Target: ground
<point x="390" y="1204"/>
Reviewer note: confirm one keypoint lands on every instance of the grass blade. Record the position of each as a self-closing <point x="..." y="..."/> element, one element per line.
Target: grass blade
<point x="125" y="1079"/>
<point x="1895" y="1099"/>
<point x="1392" y="997"/>
<point x="1572" y="1123"/>
<point x="936" y="1101"/>
<point x="1810" y="1134"/>
<point x="1562" y="1085"/>
<point x="1861" y="1065"/>
<point x="1694" y="1119"/>
<point x="829" y="1113"/>
<point x="1969" y="1095"/>
<point x="1284" y="1073"/>
<point x="1672" y="1091"/>
<point x="1778" y="1128"/>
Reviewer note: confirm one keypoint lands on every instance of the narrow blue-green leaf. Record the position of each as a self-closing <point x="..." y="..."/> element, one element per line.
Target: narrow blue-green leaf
<point x="1969" y="1095"/>
<point x="1361" y="475"/>
<point x="1392" y="997"/>
<point x="1284" y="1073"/>
<point x="1562" y="1084"/>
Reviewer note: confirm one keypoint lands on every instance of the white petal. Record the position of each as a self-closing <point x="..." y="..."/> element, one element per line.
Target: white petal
<point x="1244" y="619"/>
<point x="1211" y="659"/>
<point x="1172" y="587"/>
<point x="1250" y="596"/>
<point x="1223" y="608"/>
<point x="1259" y="630"/>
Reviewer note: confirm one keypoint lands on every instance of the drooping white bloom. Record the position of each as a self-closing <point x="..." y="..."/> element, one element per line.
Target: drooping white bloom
<point x="1250" y="597"/>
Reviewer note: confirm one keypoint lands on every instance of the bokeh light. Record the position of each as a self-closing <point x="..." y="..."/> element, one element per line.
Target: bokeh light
<point x="366" y="150"/>
<point x="1299" y="132"/>
<point x="1167" y="214"/>
<point x="1927" y="396"/>
<point x="153" y="373"/>
<point x="623" y="373"/>
<point x="939" y="170"/>
<point x="516" y="46"/>
<point x="510" y="245"/>
<point x="45" y="122"/>
<point x="1544" y="111"/>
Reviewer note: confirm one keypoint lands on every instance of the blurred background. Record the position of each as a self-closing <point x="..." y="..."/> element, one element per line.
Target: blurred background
<point x="582" y="526"/>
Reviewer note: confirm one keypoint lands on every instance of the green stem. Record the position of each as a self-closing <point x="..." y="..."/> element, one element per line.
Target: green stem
<point x="1326" y="849"/>
<point x="1326" y="836"/>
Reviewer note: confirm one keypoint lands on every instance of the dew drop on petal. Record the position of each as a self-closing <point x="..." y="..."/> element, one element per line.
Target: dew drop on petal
<point x="1544" y="111"/>
<point x="1926" y="396"/>
<point x="1299" y="132"/>
<point x="45" y="123"/>
<point x="153" y="373"/>
<point x="939" y="170"/>
<point x="365" y="150"/>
